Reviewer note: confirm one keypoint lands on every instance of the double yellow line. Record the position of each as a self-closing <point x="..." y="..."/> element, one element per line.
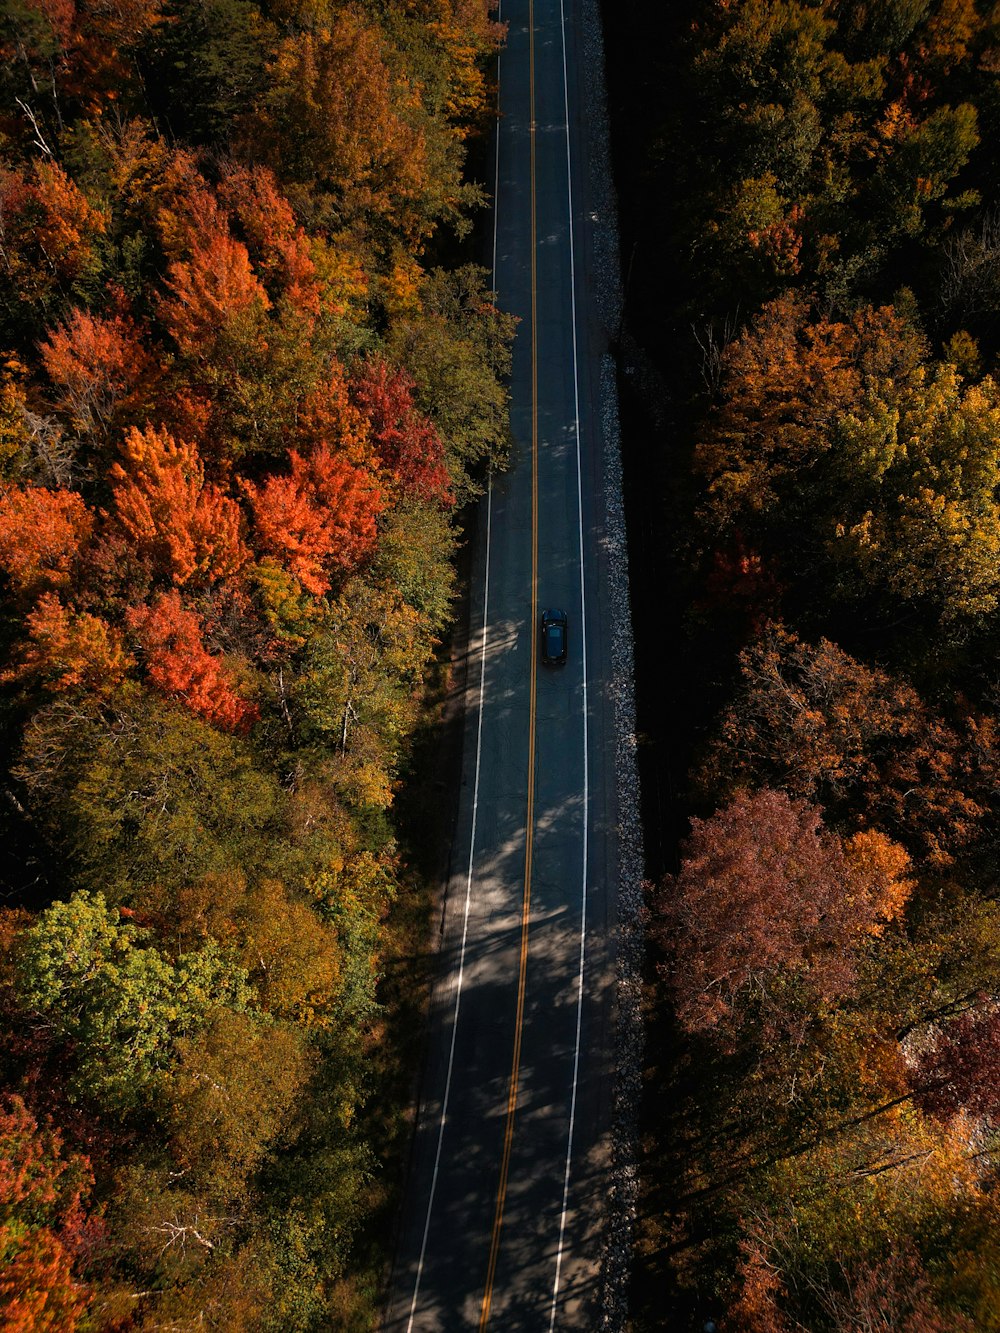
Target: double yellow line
<point x="515" y="1069"/>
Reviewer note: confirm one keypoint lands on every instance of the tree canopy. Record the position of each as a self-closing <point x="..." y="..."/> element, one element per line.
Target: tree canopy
<point x="247" y="382"/>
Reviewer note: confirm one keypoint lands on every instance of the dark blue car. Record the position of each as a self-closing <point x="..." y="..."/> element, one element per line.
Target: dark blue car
<point x="554" y="637"/>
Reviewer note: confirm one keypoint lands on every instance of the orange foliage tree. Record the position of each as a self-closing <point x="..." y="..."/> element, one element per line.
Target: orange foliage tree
<point x="337" y="118"/>
<point x="68" y="225"/>
<point x="329" y="413"/>
<point x="50" y="230"/>
<point x="319" y="519"/>
<point x="278" y="245"/>
<point x="179" y="665"/>
<point x="42" y="1225"/>
<point x="99" y="367"/>
<point x="41" y="533"/>
<point x="784" y="381"/>
<point x="66" y="650"/>
<point x="187" y="525"/>
<point x="208" y="289"/>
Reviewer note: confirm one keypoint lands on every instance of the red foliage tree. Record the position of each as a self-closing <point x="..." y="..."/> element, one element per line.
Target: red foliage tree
<point x="893" y="1292"/>
<point x="163" y="502"/>
<point x="319" y="519"/>
<point x="179" y="665"/>
<point x="816" y="722"/>
<point x="961" y="1069"/>
<point x="41" y="533"/>
<point x="407" y="444"/>
<point x="42" y="1225"/>
<point x="741" y="580"/>
<point x="764" y="891"/>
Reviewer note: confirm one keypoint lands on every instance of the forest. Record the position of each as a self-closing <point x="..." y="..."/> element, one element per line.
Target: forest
<point x="250" y="377"/>
<point x="810" y="194"/>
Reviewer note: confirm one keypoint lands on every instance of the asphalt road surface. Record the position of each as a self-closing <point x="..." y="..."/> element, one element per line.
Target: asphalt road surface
<point x="503" y="1223"/>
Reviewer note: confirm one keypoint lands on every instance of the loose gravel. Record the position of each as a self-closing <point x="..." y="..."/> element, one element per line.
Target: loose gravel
<point x="606" y="275"/>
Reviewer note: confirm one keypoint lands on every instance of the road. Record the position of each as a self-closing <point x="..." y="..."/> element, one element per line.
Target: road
<point x="504" y="1216"/>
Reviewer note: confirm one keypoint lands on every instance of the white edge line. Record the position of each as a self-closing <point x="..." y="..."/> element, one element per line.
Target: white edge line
<point x="586" y="739"/>
<point x="475" y="795"/>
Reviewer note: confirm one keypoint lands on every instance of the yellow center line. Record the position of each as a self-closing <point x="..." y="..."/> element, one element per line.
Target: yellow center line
<point x="484" y="1315"/>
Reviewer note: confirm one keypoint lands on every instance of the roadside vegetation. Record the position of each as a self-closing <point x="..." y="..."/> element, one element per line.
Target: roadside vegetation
<point x="242" y="400"/>
<point x="811" y="201"/>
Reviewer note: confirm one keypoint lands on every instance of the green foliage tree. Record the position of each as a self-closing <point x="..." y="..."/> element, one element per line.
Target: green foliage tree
<point x="454" y="335"/>
<point x="924" y="474"/>
<point x="100" y="984"/>
<point x="208" y="62"/>
<point x="147" y="793"/>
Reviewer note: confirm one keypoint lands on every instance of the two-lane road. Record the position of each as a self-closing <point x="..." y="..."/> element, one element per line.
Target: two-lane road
<point x="504" y="1217"/>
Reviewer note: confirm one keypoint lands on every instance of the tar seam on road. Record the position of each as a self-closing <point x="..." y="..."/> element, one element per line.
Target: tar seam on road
<point x="475" y="804"/>
<point x="522" y="976"/>
<point x="583" y="650"/>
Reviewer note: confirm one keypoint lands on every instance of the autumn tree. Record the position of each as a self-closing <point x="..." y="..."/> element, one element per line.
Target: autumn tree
<point x="785" y="381"/>
<point x="415" y="550"/>
<point x="893" y="1291"/>
<point x="918" y="512"/>
<point x="187" y="525"/>
<point x="960" y="1068"/>
<point x="357" y="690"/>
<point x="765" y="892"/>
<point x="927" y="157"/>
<point x="41" y="534"/>
<point x="826" y="727"/>
<point x="278" y="245"/>
<point x="179" y="665"/>
<point x="337" y="118"/>
<point x="43" y="1225"/>
<point x="293" y="957"/>
<point x="407" y="444"/>
<point x="101" y="369"/>
<point x="67" y="650"/>
<point x="319" y="519"/>
<point x="51" y="231"/>
<point x="210" y="290"/>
